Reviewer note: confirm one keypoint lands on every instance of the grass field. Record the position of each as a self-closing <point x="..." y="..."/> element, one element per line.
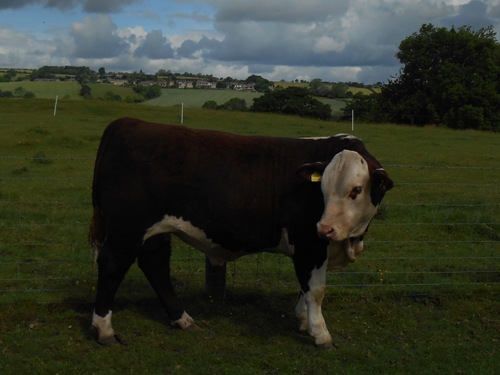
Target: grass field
<point x="197" y="97"/>
<point x="422" y="299"/>
<point x="65" y="90"/>
<point x="191" y="98"/>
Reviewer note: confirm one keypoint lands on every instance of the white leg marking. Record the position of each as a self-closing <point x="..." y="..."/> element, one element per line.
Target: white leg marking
<point x="301" y="313"/>
<point x="103" y="326"/>
<point x="184" y="322"/>
<point x="314" y="298"/>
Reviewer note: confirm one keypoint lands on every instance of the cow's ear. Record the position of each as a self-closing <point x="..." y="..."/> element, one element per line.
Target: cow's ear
<point x="311" y="172"/>
<point x="379" y="185"/>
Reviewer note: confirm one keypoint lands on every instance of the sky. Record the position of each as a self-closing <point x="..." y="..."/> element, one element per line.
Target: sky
<point x="333" y="40"/>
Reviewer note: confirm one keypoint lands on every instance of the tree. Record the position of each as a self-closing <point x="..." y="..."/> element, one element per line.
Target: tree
<point x="261" y="84"/>
<point x="448" y="76"/>
<point x="210" y="104"/>
<point x="19" y="92"/>
<point x="318" y="87"/>
<point x="339" y="90"/>
<point x="152" y="92"/>
<point x="293" y="101"/>
<point x="112" y="96"/>
<point x="6" y="94"/>
<point x="221" y="85"/>
<point x="235" y="104"/>
<point x="367" y="108"/>
<point x="8" y="75"/>
<point x="148" y="92"/>
<point x="86" y="91"/>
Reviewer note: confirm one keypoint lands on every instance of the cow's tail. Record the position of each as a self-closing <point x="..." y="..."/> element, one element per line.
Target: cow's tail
<point x="97" y="232"/>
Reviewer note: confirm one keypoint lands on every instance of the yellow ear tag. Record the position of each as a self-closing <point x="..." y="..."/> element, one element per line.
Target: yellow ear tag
<point x="315" y="177"/>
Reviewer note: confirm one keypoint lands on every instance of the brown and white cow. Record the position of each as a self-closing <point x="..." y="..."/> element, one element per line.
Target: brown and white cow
<point x="228" y="195"/>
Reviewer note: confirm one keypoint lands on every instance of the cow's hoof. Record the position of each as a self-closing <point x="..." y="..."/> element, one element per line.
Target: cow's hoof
<point x="327" y="346"/>
<point x="193" y="328"/>
<point x="113" y="340"/>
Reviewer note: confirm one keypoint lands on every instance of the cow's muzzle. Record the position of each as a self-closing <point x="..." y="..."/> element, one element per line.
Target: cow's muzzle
<point x="327" y="232"/>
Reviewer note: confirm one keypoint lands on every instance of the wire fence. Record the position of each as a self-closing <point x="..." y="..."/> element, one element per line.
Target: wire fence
<point x="439" y="229"/>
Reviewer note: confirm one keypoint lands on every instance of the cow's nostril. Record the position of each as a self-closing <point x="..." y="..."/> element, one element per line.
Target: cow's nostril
<point x="325" y="230"/>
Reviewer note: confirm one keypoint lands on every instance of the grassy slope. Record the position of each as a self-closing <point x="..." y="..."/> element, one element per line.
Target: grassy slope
<point x="170" y="97"/>
<point x="196" y="98"/>
<point x="65" y="90"/>
<point x="46" y="287"/>
<point x="45" y="89"/>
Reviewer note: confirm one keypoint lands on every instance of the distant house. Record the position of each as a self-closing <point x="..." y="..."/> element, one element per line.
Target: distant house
<point x="206" y="84"/>
<point x="185" y="84"/>
<point x="243" y="86"/>
<point x="147" y="83"/>
<point x="118" y="82"/>
<point x="165" y="83"/>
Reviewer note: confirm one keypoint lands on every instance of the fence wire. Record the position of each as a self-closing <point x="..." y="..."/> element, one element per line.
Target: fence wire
<point x="425" y="238"/>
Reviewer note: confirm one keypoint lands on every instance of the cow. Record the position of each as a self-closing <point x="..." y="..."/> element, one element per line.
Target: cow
<point x="227" y="195"/>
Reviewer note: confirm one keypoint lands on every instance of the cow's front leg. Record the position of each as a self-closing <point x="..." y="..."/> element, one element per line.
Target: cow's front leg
<point x="105" y="333"/>
<point x="312" y="278"/>
<point x="301" y="312"/>
<point x="313" y="300"/>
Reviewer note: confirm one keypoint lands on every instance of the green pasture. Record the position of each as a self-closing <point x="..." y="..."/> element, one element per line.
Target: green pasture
<point x="197" y="97"/>
<point x="170" y="97"/>
<point x="190" y="98"/>
<point x="45" y="89"/>
<point x="422" y="299"/>
<point x="65" y="90"/>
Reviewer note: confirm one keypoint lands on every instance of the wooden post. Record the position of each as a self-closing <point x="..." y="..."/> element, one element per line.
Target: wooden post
<point x="215" y="279"/>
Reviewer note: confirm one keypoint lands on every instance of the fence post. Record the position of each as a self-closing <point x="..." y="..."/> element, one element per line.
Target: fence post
<point x="215" y="279"/>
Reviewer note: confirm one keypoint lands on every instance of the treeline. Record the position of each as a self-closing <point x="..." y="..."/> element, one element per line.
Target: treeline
<point x="19" y="92"/>
<point x="338" y="90"/>
<point x="291" y="101"/>
<point x="61" y="72"/>
<point x="449" y="77"/>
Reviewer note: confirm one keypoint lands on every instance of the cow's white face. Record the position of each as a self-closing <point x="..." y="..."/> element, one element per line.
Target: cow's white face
<point x="346" y="186"/>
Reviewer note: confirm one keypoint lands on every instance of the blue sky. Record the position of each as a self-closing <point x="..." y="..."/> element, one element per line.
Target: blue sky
<point x="352" y="40"/>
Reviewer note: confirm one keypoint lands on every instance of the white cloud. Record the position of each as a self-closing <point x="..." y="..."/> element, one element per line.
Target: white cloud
<point x="23" y="50"/>
<point x="155" y="46"/>
<point x="281" y="39"/>
<point x="327" y="44"/>
<point x="96" y="37"/>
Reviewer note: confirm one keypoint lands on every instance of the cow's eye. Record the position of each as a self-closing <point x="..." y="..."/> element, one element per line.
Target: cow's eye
<point x="355" y="192"/>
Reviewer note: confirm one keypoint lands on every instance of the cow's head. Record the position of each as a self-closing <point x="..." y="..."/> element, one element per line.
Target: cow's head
<point x="352" y="193"/>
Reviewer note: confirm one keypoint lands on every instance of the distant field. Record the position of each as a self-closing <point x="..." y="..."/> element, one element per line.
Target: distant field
<point x="197" y="97"/>
<point x="335" y="104"/>
<point x="65" y="90"/>
<point x="363" y="90"/>
<point x="45" y="90"/>
<point x="170" y="97"/>
<point x="352" y="89"/>
<point x="99" y="90"/>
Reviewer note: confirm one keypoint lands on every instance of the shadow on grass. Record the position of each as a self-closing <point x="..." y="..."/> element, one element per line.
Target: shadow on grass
<point x="244" y="312"/>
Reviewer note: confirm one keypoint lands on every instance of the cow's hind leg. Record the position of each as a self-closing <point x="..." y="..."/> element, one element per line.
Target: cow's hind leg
<point x="154" y="261"/>
<point x="112" y="268"/>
